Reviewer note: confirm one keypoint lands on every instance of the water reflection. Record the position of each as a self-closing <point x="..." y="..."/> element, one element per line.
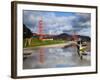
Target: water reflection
<point x="53" y="58"/>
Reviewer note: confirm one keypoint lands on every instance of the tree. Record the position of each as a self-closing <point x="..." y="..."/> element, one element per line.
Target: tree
<point x="27" y="35"/>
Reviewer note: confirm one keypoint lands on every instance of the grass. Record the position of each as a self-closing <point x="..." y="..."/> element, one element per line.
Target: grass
<point x="36" y="42"/>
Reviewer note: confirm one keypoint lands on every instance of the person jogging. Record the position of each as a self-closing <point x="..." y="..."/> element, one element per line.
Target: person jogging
<point x="81" y="48"/>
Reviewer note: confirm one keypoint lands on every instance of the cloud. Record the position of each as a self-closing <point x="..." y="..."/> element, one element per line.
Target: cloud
<point x="83" y="20"/>
<point x="85" y="31"/>
<point x="54" y="24"/>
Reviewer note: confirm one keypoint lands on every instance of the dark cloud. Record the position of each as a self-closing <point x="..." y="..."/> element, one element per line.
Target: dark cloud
<point x="83" y="20"/>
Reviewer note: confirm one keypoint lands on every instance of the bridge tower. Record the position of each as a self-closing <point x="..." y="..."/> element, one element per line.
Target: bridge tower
<point x="40" y="28"/>
<point x="74" y="36"/>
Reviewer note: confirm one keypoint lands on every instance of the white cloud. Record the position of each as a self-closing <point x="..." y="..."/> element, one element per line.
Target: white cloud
<point x="57" y="24"/>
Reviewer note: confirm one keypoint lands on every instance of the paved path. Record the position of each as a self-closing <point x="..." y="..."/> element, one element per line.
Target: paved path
<point x="55" y="45"/>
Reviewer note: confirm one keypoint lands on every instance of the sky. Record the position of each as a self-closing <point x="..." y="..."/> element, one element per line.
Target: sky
<point x="58" y="22"/>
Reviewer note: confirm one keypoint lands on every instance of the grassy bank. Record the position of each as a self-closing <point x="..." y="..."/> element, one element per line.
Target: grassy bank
<point x="37" y="42"/>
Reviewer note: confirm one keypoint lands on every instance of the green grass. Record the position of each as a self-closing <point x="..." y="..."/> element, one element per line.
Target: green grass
<point x="36" y="42"/>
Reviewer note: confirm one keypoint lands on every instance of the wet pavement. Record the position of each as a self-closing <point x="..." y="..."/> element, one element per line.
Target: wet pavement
<point x="54" y="58"/>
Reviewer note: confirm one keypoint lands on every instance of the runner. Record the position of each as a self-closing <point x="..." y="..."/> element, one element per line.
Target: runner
<point x="81" y="48"/>
<point x="79" y="42"/>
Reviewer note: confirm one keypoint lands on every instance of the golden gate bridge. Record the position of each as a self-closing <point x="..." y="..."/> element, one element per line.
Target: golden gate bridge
<point x="42" y="35"/>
